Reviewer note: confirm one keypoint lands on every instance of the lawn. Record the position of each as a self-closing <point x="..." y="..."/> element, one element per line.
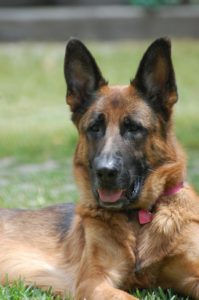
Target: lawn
<point x="37" y="138"/>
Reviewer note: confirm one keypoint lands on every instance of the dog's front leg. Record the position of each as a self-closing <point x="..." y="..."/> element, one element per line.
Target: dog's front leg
<point x="106" y="265"/>
<point x="98" y="280"/>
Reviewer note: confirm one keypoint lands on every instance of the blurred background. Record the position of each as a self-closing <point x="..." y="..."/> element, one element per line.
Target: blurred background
<point x="37" y="138"/>
<point x="50" y="20"/>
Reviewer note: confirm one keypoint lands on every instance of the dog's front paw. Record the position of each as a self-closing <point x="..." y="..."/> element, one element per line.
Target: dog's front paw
<point x="112" y="294"/>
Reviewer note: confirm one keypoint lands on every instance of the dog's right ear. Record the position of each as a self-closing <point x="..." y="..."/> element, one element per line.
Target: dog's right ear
<point x="83" y="77"/>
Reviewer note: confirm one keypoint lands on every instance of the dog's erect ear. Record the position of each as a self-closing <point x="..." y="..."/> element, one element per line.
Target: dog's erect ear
<point x="82" y="75"/>
<point x="155" y="78"/>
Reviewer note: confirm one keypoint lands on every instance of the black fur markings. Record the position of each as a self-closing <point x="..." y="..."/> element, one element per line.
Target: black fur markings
<point x="65" y="214"/>
<point x="155" y="78"/>
<point x="83" y="77"/>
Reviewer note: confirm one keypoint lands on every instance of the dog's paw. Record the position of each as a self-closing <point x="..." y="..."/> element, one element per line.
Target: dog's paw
<point x="110" y="293"/>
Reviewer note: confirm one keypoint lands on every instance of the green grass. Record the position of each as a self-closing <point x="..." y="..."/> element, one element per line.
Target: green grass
<point x="37" y="138"/>
<point x="18" y="291"/>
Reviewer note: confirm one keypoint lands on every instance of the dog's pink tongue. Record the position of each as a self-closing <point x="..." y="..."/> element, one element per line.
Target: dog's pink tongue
<point x="110" y="196"/>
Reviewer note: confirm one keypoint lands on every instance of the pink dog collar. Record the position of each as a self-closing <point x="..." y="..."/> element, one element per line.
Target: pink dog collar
<point x="145" y="216"/>
<point x="173" y="190"/>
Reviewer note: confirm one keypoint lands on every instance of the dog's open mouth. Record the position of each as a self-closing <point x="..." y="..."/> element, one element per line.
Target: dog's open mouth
<point x="120" y="197"/>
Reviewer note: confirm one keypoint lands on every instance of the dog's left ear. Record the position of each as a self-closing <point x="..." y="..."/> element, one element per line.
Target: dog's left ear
<point x="82" y="75"/>
<point x="155" y="78"/>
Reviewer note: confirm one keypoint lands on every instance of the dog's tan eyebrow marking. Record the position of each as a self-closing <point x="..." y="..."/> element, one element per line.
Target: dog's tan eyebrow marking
<point x="142" y="114"/>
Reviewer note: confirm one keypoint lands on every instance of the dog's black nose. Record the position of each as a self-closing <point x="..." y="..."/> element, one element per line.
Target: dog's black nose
<point x="106" y="173"/>
<point x="106" y="168"/>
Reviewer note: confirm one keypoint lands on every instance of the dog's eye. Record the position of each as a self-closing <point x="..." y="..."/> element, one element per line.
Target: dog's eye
<point x="131" y="126"/>
<point x="131" y="129"/>
<point x="95" y="128"/>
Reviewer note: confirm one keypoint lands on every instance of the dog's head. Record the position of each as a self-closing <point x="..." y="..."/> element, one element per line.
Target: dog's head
<point x="124" y="131"/>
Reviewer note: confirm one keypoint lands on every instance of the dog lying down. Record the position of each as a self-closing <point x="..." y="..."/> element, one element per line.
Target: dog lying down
<point x="137" y="222"/>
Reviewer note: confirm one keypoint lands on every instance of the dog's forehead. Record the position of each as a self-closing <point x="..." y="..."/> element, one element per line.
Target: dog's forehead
<point x="119" y="101"/>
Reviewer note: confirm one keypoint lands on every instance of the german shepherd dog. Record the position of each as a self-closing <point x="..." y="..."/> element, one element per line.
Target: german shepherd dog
<point x="137" y="222"/>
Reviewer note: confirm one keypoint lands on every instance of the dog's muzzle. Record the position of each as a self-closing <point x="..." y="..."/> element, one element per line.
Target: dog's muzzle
<point x="113" y="186"/>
